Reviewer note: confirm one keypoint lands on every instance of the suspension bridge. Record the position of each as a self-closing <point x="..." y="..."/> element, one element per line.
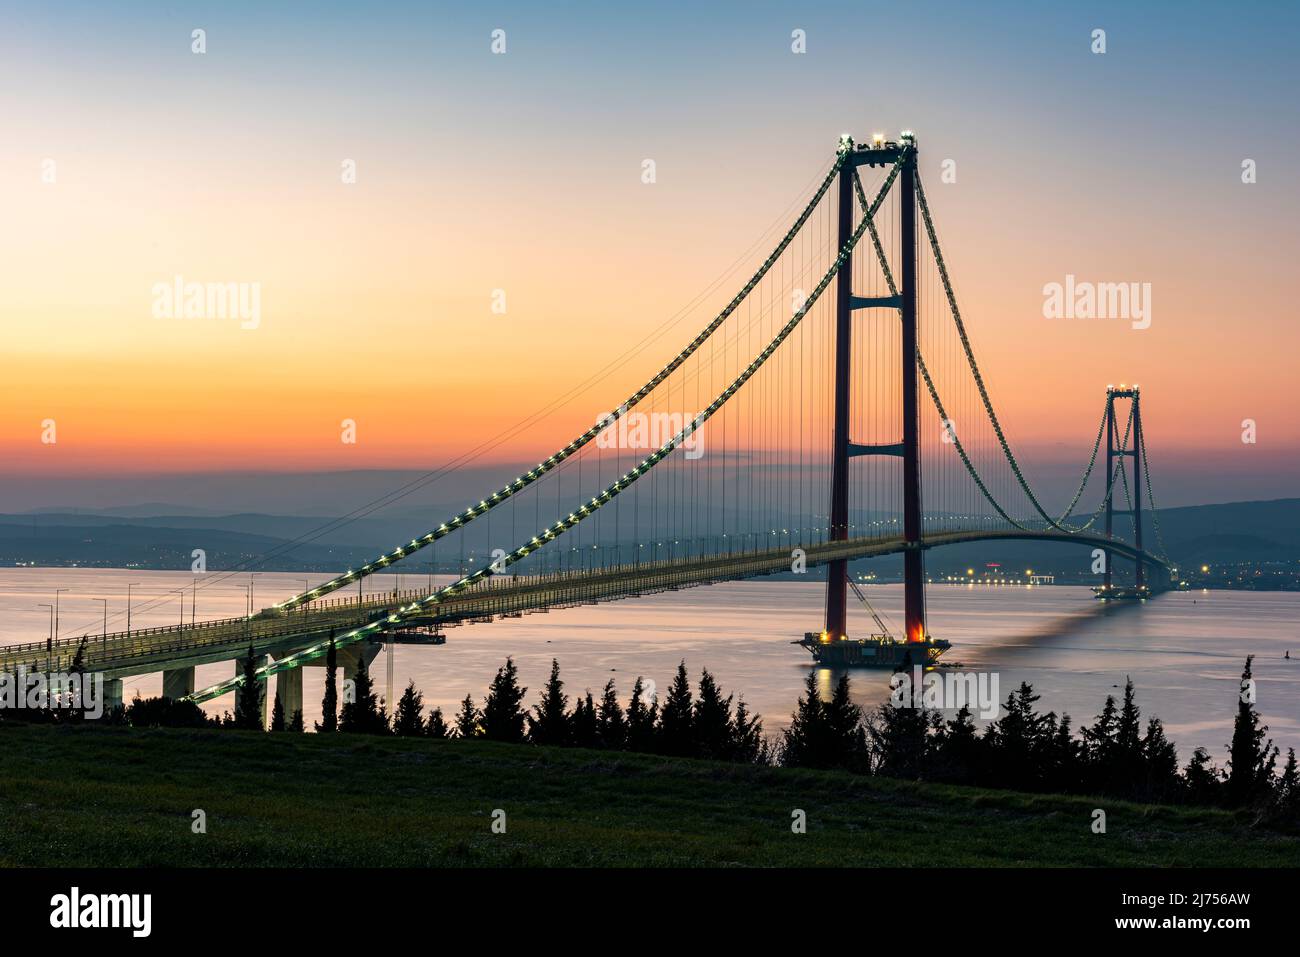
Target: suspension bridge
<point x="791" y="432"/>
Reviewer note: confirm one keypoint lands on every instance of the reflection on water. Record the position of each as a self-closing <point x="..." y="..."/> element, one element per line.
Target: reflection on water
<point x="1184" y="651"/>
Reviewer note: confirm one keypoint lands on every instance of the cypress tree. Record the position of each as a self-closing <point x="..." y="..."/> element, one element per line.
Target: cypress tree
<point x="641" y="720"/>
<point x="1251" y="760"/>
<point x="248" y="699"/>
<point x="675" y="733"/>
<point x="611" y="725"/>
<point x="295" y="723"/>
<point x="330" y="703"/>
<point x="409" y="719"/>
<point x="436" y="727"/>
<point x="277" y="715"/>
<point x="503" y="718"/>
<point x="550" y="724"/>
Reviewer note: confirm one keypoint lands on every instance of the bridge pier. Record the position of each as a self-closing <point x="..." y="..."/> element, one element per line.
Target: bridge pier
<point x="112" y="693"/>
<point x="288" y="691"/>
<point x="178" y="682"/>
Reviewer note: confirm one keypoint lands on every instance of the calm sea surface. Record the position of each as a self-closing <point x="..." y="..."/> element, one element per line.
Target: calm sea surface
<point x="1184" y="651"/>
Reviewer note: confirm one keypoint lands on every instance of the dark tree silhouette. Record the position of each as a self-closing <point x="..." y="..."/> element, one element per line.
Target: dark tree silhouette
<point x="641" y="720"/>
<point x="436" y="727"/>
<point x="330" y="703"/>
<point x="408" y="720"/>
<point x="1251" y="760"/>
<point x="675" y="733"/>
<point x="1160" y="781"/>
<point x="747" y="743"/>
<point x="1288" y="789"/>
<point x="550" y="723"/>
<point x="248" y="700"/>
<point x="1204" y="781"/>
<point x="469" y="720"/>
<point x="277" y="715"/>
<point x="584" y="726"/>
<point x="611" y="725"/>
<point x="295" y="723"/>
<point x="503" y="718"/>
<point x="711" y="721"/>
<point x="957" y="749"/>
<point x="825" y="735"/>
<point x="363" y="715"/>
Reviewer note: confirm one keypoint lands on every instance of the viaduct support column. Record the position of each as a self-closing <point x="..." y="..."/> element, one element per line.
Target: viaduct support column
<point x="288" y="691"/>
<point x="178" y="682"/>
<point x="112" y="693"/>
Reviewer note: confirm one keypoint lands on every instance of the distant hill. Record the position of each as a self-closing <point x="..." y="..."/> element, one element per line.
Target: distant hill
<point x="1225" y="533"/>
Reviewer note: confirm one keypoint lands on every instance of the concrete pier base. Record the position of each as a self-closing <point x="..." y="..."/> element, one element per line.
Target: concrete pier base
<point x="288" y="691"/>
<point x="178" y="682"/>
<point x="112" y="693"/>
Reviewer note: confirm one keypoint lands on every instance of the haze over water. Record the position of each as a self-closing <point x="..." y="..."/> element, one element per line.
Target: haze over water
<point x="1184" y="651"/>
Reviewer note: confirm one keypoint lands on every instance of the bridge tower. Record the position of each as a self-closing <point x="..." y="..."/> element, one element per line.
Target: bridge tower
<point x="1130" y="448"/>
<point x="908" y="448"/>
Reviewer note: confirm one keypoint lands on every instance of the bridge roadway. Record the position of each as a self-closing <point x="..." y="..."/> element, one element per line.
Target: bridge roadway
<point x="140" y="651"/>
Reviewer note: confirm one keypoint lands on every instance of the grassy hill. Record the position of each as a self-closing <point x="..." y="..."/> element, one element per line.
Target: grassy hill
<point x="93" y="796"/>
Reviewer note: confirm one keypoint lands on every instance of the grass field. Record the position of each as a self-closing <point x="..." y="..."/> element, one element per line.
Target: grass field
<point x="94" y="796"/>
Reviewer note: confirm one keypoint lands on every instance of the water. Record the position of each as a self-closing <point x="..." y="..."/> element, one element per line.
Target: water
<point x="1184" y="650"/>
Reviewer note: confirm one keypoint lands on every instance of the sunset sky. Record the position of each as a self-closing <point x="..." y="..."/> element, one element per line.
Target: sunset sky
<point x="522" y="172"/>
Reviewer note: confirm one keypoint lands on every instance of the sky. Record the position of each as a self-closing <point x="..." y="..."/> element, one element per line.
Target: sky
<point x="129" y="159"/>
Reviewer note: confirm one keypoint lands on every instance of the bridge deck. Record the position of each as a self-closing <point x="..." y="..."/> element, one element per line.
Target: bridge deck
<point x="122" y="654"/>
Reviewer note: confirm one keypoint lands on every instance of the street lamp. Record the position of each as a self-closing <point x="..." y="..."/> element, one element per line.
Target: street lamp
<point x="181" y="592"/>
